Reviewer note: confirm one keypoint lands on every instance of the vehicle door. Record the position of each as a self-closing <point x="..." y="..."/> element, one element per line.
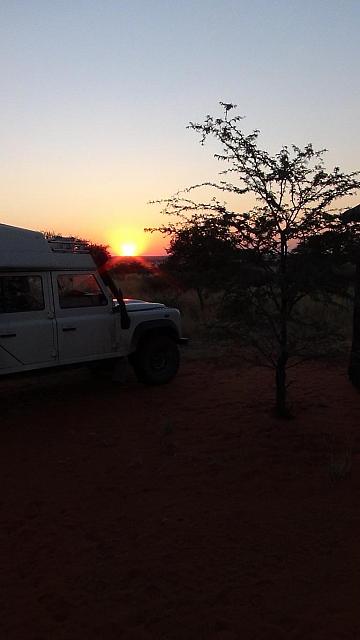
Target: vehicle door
<point x="27" y="325"/>
<point x="84" y="317"/>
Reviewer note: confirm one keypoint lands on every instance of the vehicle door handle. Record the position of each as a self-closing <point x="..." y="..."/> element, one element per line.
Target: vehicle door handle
<point x="69" y="328"/>
<point x="8" y="335"/>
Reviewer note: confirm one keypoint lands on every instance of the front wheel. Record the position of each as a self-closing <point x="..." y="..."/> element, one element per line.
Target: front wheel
<point x="156" y="360"/>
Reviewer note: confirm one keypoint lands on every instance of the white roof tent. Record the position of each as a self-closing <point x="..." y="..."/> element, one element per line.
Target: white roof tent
<point x="21" y="249"/>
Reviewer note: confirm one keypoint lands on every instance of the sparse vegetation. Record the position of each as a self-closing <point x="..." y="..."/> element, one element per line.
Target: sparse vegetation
<point x="269" y="267"/>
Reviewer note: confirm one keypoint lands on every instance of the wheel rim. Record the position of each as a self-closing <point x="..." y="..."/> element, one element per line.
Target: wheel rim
<point x="159" y="360"/>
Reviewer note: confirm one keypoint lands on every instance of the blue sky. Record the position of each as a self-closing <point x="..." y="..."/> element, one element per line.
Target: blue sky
<point x="96" y="96"/>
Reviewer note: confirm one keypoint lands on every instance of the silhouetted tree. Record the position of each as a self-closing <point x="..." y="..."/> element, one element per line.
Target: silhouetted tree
<point x="123" y="266"/>
<point x="99" y="252"/>
<point x="200" y="256"/>
<point x="351" y="218"/>
<point x="294" y="193"/>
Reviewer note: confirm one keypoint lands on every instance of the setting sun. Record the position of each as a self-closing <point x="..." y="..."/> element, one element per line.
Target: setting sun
<point x="126" y="242"/>
<point x="128" y="249"/>
<point x="130" y="241"/>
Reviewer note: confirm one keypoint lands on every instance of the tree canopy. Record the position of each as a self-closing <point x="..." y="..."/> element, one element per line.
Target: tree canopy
<point x="296" y="203"/>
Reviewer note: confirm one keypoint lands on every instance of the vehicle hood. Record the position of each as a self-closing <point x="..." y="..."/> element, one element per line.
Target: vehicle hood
<point x="141" y="305"/>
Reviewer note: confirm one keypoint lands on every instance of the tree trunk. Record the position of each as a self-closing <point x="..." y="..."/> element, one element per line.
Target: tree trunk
<point x="200" y="295"/>
<point x="201" y="299"/>
<point x="354" y="363"/>
<point x="281" y="405"/>
<point x="281" y="389"/>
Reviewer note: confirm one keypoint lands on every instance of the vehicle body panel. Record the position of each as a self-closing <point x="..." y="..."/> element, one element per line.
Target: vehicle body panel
<point x="28" y="337"/>
<point x="73" y="317"/>
<point x="84" y="332"/>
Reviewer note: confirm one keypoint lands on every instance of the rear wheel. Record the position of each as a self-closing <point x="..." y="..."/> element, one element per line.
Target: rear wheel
<point x="156" y="360"/>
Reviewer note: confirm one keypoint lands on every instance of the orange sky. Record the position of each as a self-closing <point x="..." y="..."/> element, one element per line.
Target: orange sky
<point x="96" y="97"/>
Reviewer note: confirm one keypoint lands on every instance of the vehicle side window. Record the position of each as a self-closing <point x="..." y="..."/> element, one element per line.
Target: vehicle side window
<point x="21" y="293"/>
<point x="80" y="291"/>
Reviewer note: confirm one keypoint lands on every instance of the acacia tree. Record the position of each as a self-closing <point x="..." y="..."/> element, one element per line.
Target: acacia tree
<point x="294" y="195"/>
<point x="200" y="256"/>
<point x="351" y="219"/>
<point x="100" y="253"/>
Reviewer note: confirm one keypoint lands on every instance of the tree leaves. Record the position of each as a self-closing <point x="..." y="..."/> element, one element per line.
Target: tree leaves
<point x="296" y="205"/>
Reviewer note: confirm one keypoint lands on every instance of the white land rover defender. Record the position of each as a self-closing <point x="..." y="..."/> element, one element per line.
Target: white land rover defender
<point x="57" y="308"/>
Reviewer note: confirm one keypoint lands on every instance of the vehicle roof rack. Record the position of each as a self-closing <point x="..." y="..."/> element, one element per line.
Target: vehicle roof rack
<point x="26" y="249"/>
<point x="62" y="244"/>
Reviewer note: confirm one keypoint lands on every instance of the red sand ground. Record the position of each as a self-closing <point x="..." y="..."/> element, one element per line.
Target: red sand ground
<point x="182" y="512"/>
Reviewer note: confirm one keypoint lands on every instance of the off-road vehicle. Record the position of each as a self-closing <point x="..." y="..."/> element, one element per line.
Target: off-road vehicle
<point x="57" y="308"/>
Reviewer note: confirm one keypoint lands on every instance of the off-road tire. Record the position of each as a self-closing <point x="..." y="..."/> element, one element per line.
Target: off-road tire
<point x="156" y="360"/>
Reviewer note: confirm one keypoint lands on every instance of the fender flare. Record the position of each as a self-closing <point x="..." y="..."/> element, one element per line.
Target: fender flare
<point x="154" y="327"/>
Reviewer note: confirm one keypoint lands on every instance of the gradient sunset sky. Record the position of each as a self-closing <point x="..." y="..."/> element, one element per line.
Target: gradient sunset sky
<point x="96" y="96"/>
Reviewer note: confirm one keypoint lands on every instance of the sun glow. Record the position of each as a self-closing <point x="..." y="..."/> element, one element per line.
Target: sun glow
<point x="126" y="241"/>
<point x="128" y="249"/>
<point x="132" y="241"/>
